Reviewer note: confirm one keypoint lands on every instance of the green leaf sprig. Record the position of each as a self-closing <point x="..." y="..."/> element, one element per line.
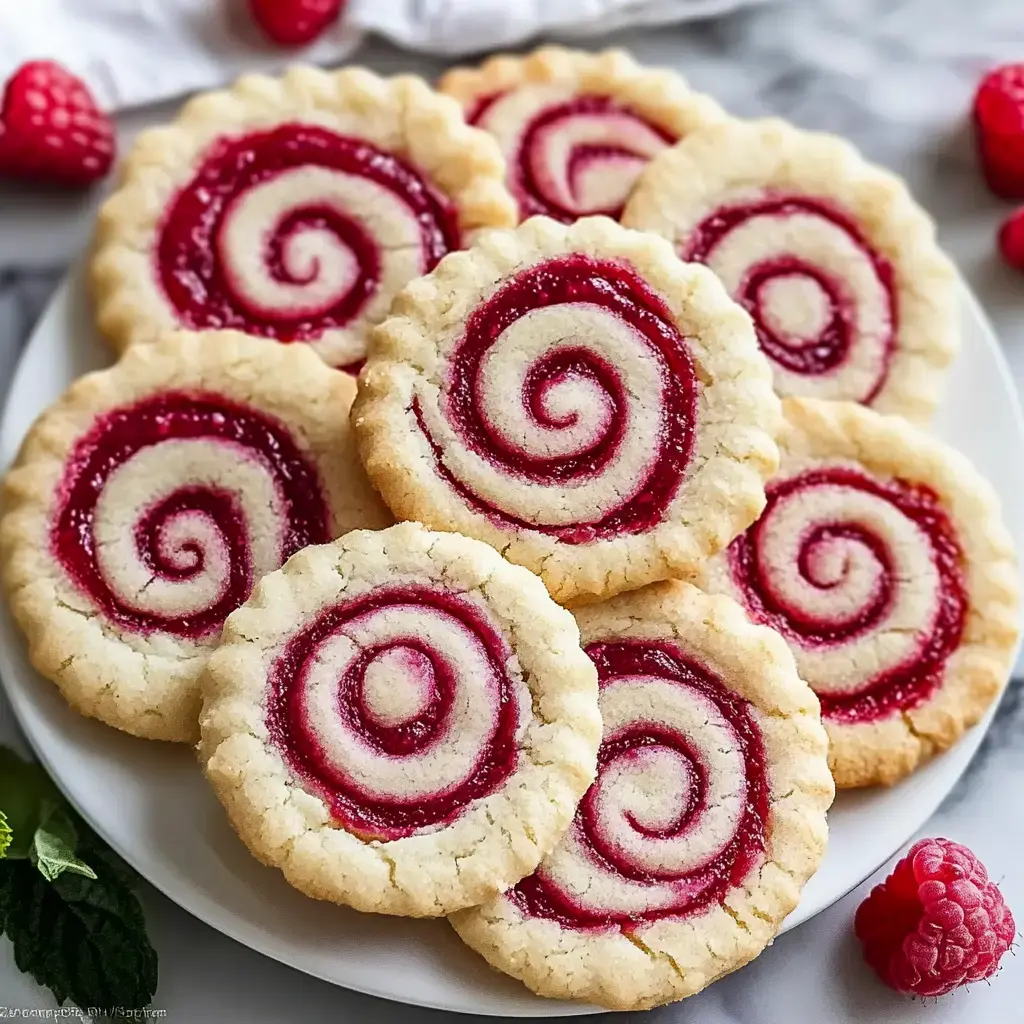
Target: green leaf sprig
<point x="66" y="899"/>
<point x="5" y="834"/>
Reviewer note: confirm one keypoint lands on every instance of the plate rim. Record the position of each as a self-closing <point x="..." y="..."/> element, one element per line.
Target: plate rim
<point x="212" y="914"/>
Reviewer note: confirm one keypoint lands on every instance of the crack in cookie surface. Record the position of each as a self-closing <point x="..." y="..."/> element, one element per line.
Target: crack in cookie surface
<point x="226" y="495"/>
<point x="337" y="222"/>
<point x="399" y="707"/>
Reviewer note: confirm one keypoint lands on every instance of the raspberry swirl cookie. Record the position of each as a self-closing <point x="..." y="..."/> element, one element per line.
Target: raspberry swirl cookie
<point x="576" y="397"/>
<point x="833" y="259"/>
<point x="149" y="499"/>
<point x="577" y="128"/>
<point x="293" y="209"/>
<point x="882" y="560"/>
<point x="400" y="721"/>
<point x="706" y="819"/>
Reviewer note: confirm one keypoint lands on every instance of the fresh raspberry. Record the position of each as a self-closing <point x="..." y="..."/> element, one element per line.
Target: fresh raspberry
<point x="1011" y="239"/>
<point x="999" y="129"/>
<point x="936" y="922"/>
<point x="51" y="128"/>
<point x="294" y="22"/>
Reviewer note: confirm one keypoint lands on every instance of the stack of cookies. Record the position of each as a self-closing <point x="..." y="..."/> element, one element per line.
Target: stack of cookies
<point x="674" y="554"/>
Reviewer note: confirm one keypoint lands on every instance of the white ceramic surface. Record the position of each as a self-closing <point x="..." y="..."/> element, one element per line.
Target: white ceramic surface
<point x="149" y="801"/>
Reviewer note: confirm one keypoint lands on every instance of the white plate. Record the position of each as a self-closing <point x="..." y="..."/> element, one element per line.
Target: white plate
<point x="149" y="801"/>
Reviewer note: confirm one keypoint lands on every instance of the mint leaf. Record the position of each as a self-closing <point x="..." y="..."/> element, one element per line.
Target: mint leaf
<point x="54" y="843"/>
<point x="66" y="899"/>
<point x="25" y="789"/>
<point x="83" y="938"/>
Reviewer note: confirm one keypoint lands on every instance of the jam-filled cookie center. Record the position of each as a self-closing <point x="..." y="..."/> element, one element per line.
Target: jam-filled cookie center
<point x="568" y="405"/>
<point x="399" y="708"/>
<point x="570" y="156"/>
<point x="170" y="508"/>
<point x="864" y="577"/>
<point x="822" y="298"/>
<point x="297" y="230"/>
<point x="679" y="811"/>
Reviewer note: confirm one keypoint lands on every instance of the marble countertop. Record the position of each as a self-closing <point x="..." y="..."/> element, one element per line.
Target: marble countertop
<point x="895" y="76"/>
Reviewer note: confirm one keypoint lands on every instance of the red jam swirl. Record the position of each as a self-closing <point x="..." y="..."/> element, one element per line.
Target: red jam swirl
<point x="755" y="571"/>
<point x="610" y="126"/>
<point x="617" y="289"/>
<point x="354" y="803"/>
<point x="119" y="436"/>
<point x="195" y="269"/>
<point x="835" y="343"/>
<point x="737" y="855"/>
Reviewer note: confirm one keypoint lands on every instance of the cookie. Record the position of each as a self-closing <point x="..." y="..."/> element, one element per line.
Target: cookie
<point x="882" y="559"/>
<point x="706" y="819"/>
<point x="576" y="397"/>
<point x="292" y="208"/>
<point x="149" y="499"/>
<point x="400" y="721"/>
<point x="838" y="266"/>
<point x="576" y="128"/>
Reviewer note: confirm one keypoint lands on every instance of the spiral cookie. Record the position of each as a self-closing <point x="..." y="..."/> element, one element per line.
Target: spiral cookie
<point x="292" y="208"/>
<point x="576" y="397"/>
<point x="706" y="819"/>
<point x="400" y="721"/>
<point x="150" y="498"/>
<point x="576" y="128"/>
<point x="835" y="262"/>
<point x="882" y="560"/>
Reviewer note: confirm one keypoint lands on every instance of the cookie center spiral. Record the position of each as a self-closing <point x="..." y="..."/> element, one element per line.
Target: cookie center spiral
<point x="568" y="405"/>
<point x="822" y="299"/>
<point x="297" y="230"/>
<point x="399" y="708"/>
<point x="171" y="507"/>
<point x="398" y="686"/>
<point x="571" y="157"/>
<point x="864" y="578"/>
<point x="679" y="811"/>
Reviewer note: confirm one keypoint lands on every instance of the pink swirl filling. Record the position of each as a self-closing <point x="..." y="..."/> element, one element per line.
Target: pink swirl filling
<point x="321" y="745"/>
<point x="827" y="550"/>
<point x="199" y="510"/>
<point x="617" y="289"/>
<point x="838" y="335"/>
<point x="197" y="270"/>
<point x="643" y="745"/>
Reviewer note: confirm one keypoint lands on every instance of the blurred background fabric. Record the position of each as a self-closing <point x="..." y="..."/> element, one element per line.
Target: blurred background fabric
<point x="132" y="52"/>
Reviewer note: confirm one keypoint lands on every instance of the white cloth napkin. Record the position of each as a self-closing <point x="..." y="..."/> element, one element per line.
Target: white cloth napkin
<point x="132" y="52"/>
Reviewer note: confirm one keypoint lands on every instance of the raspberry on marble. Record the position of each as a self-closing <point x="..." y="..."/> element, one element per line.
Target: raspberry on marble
<point x="936" y="923"/>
